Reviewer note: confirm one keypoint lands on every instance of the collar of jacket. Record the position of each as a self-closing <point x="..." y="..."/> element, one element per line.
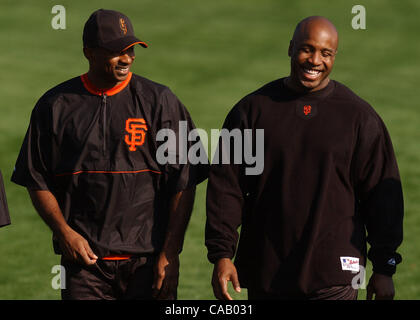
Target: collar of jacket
<point x="89" y="86"/>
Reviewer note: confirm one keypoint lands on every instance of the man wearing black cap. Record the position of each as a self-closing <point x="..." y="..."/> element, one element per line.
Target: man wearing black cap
<point x="88" y="160"/>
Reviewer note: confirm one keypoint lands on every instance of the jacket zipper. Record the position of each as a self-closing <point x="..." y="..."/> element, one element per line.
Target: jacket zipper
<point x="104" y="123"/>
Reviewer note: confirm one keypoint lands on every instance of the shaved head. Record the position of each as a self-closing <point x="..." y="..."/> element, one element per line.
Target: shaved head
<point x="315" y="24"/>
<point x="312" y="51"/>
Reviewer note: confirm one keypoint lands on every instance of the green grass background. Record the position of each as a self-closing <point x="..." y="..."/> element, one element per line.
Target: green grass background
<point x="210" y="53"/>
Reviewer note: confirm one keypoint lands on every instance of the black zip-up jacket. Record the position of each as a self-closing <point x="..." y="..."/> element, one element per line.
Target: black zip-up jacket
<point x="96" y="152"/>
<point x="329" y="176"/>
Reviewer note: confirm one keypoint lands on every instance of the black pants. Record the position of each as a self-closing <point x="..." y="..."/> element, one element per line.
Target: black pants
<point x="331" y="293"/>
<point x="111" y="280"/>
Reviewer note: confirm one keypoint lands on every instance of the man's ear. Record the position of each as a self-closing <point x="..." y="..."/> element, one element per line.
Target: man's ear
<point x="290" y="51"/>
<point x="88" y="53"/>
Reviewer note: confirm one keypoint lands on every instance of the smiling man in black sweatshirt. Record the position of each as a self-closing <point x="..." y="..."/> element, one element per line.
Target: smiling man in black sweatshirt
<point x="330" y="185"/>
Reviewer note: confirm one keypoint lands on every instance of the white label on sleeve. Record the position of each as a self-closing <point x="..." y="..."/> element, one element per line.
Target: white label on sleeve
<point x="350" y="263"/>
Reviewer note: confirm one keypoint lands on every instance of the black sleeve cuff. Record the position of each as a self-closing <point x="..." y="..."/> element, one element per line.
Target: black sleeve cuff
<point x="384" y="262"/>
<point x="213" y="258"/>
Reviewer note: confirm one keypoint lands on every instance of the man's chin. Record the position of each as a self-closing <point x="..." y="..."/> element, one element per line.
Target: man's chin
<point x="309" y="85"/>
<point x="120" y="77"/>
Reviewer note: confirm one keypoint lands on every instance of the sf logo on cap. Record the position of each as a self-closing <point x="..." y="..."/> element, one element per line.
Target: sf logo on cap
<point x="123" y="26"/>
<point x="136" y="127"/>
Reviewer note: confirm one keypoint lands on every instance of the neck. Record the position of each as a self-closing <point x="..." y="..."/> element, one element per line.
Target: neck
<point x="100" y="82"/>
<point x="92" y="88"/>
<point x="299" y="88"/>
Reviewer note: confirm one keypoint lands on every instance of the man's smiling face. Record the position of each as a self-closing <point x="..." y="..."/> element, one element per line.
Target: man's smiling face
<point x="312" y="52"/>
<point x="108" y="68"/>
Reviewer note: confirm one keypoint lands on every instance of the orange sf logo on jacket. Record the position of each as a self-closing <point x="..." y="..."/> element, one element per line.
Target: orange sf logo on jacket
<point x="137" y="128"/>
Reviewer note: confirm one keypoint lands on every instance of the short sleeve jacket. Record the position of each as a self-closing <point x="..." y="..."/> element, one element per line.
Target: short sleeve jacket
<point x="96" y="152"/>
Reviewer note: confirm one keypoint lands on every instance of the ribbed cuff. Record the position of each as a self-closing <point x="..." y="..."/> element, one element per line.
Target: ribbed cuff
<point x="213" y="258"/>
<point x="384" y="262"/>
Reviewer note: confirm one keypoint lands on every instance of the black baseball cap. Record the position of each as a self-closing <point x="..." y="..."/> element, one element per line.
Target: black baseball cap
<point x="111" y="30"/>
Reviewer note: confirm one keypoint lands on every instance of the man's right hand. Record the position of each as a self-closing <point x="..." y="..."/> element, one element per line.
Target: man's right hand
<point x="76" y="248"/>
<point x="73" y="245"/>
<point x="224" y="271"/>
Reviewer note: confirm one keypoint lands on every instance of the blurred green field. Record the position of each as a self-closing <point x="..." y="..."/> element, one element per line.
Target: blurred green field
<point x="210" y="53"/>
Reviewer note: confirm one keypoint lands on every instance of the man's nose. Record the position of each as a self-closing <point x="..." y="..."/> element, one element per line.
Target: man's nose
<point x="126" y="58"/>
<point x="315" y="58"/>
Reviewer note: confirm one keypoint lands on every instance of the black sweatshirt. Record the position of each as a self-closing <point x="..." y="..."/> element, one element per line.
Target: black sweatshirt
<point x="330" y="176"/>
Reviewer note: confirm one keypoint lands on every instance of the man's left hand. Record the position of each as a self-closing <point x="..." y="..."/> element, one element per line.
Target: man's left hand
<point x="381" y="286"/>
